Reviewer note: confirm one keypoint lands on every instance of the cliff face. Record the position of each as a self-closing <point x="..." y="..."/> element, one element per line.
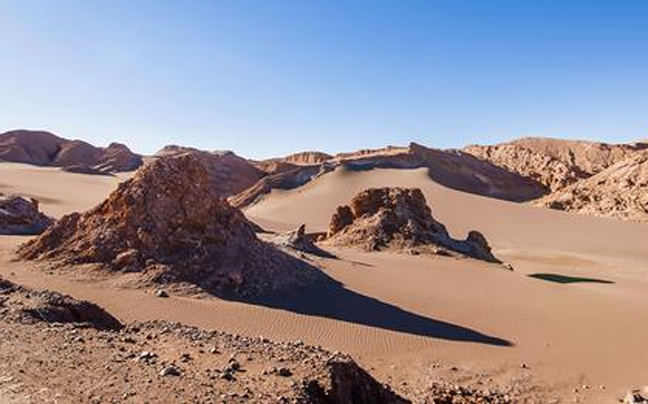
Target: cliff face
<point x="555" y="163"/>
<point x="620" y="191"/>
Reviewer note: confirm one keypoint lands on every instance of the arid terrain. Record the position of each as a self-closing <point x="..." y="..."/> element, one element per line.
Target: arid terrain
<point x="556" y="316"/>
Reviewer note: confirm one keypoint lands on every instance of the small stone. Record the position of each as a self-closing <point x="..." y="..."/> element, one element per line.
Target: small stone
<point x="284" y="372"/>
<point x="170" y="371"/>
<point x="161" y="293"/>
<point x="634" y="397"/>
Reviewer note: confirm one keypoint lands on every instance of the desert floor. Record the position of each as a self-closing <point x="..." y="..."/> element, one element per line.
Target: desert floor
<point x="568" y="323"/>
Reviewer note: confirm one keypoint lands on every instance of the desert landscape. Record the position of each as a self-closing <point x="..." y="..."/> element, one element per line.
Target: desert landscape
<point x="513" y="272"/>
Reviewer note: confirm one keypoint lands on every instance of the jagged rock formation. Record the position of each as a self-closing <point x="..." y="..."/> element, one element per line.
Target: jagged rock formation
<point x="298" y="240"/>
<point x="307" y="157"/>
<point x="399" y="218"/>
<point x="21" y="216"/>
<point x="620" y="191"/>
<point x="555" y="163"/>
<point x="46" y="149"/>
<point x="170" y="223"/>
<point x="21" y="304"/>
<point x="229" y="173"/>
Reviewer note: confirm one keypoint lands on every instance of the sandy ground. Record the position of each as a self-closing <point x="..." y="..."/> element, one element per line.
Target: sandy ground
<point x="573" y="312"/>
<point x="59" y="192"/>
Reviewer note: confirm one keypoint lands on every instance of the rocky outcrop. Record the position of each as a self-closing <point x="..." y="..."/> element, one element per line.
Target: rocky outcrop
<point x="25" y="305"/>
<point x="46" y="149"/>
<point x="307" y="157"/>
<point x="21" y="216"/>
<point x="620" y="191"/>
<point x="229" y="174"/>
<point x="346" y="382"/>
<point x="555" y="163"/>
<point x="399" y="218"/>
<point x="170" y="223"/>
<point x="298" y="240"/>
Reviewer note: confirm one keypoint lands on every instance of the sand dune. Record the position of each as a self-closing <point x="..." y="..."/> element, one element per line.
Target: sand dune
<point x="57" y="191"/>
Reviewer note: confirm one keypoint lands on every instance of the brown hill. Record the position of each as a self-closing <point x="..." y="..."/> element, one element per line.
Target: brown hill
<point x="399" y="218"/>
<point x="46" y="149"/>
<point x="555" y="163"/>
<point x="620" y="191"/>
<point x="170" y="223"/>
<point x="21" y="216"/>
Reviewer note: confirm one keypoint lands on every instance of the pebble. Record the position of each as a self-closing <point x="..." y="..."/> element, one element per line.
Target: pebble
<point x="161" y="293"/>
<point x="170" y="371"/>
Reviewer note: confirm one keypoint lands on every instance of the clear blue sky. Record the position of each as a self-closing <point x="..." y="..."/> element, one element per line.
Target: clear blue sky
<point x="268" y="77"/>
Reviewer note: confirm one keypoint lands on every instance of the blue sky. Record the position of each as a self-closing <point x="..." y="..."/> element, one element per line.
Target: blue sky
<point x="269" y="77"/>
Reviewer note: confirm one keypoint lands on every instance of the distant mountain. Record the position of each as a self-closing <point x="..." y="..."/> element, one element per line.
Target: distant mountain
<point x="46" y="149"/>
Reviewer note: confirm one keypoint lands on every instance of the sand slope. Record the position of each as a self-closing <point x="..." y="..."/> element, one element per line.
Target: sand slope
<point x="57" y="191"/>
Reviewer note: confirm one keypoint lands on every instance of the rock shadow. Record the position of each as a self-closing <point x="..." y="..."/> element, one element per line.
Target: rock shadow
<point x="330" y="299"/>
<point x="565" y="279"/>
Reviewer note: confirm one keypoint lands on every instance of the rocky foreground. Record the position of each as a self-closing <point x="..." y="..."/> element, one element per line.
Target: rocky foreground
<point x="399" y="218"/>
<point x="54" y="349"/>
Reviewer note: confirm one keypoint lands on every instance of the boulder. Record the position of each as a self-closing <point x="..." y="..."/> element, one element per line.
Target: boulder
<point x="19" y="215"/>
<point x="298" y="240"/>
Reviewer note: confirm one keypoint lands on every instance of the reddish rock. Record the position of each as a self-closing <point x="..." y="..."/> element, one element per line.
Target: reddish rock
<point x="620" y="191"/>
<point x="28" y="306"/>
<point x="229" y="173"/>
<point x="46" y="149"/>
<point x="555" y="163"/>
<point x="170" y="222"/>
<point x="380" y="218"/>
<point x="308" y="157"/>
<point x="21" y="216"/>
<point x="300" y="241"/>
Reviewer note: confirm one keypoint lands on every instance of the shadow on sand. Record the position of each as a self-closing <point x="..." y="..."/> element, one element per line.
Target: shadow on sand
<point x="565" y="280"/>
<point x="330" y="299"/>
